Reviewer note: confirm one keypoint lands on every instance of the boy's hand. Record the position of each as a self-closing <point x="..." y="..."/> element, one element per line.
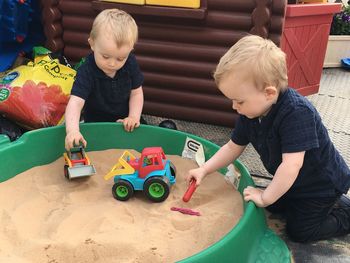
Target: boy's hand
<point x="254" y="194"/>
<point x="198" y="174"/>
<point x="130" y="123"/>
<point x="74" y="138"/>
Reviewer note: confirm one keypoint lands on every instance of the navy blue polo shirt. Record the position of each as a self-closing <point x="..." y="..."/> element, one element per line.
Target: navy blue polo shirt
<point x="294" y="125"/>
<point x="106" y="98"/>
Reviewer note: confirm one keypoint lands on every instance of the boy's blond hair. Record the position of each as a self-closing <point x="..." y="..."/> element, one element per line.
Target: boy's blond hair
<point x="119" y="24"/>
<point x="259" y="57"/>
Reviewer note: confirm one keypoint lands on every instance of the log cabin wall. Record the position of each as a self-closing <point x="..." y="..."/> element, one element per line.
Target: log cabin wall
<point x="177" y="50"/>
<point x="52" y="24"/>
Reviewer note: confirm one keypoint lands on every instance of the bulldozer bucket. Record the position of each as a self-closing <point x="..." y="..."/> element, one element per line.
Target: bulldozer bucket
<point x="81" y="171"/>
<point x="122" y="166"/>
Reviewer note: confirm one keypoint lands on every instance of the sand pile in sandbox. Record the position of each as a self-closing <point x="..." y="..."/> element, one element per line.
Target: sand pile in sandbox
<point x="46" y="218"/>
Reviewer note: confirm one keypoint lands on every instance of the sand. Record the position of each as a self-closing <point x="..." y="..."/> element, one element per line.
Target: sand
<point x="46" y="218"/>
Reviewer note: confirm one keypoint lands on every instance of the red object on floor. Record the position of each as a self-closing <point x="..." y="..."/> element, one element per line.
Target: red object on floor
<point x="304" y="40"/>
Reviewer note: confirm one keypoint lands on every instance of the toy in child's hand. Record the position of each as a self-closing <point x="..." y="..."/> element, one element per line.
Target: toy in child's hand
<point x="192" y="187"/>
<point x="152" y="173"/>
<point x="186" y="211"/>
<point x="77" y="163"/>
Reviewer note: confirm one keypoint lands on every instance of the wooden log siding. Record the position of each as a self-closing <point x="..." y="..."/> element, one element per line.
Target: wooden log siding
<point x="51" y="19"/>
<point x="177" y="53"/>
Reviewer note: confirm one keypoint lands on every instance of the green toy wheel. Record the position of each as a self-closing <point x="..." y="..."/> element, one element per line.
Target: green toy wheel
<point x="122" y="190"/>
<point x="156" y="189"/>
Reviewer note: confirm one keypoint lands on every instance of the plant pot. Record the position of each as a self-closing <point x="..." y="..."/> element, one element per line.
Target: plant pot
<point x="338" y="47"/>
<point x="304" y="40"/>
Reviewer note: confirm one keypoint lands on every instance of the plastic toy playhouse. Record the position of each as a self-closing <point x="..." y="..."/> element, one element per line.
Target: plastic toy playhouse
<point x="249" y="241"/>
<point x="180" y="44"/>
<point x="14" y="18"/>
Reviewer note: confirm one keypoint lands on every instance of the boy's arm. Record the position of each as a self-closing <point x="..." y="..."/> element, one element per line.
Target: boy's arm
<point x="72" y="117"/>
<point x="223" y="157"/>
<point x="135" y="110"/>
<point x="226" y="155"/>
<point x="286" y="174"/>
<point x="136" y="103"/>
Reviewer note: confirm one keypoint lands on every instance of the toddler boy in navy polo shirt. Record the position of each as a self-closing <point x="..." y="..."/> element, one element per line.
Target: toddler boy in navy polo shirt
<point x="109" y="84"/>
<point x="310" y="177"/>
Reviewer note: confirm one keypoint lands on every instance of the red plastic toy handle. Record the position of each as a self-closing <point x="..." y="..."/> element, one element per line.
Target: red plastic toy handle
<point x="187" y="196"/>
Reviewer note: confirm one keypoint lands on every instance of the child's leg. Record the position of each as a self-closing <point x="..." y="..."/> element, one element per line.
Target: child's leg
<point x="315" y="219"/>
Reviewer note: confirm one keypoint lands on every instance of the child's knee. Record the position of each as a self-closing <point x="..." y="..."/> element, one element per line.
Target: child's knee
<point x="299" y="233"/>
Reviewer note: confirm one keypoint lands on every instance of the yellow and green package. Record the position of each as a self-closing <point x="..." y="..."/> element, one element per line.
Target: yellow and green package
<point x="36" y="95"/>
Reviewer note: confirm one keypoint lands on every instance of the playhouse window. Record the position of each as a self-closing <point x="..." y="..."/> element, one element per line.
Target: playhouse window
<point x="133" y="2"/>
<point x="193" y="9"/>
<point x="171" y="3"/>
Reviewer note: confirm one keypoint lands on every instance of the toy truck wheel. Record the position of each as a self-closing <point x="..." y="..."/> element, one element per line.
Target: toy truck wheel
<point x="172" y="169"/>
<point x="122" y="190"/>
<point x="156" y="189"/>
<point x="66" y="171"/>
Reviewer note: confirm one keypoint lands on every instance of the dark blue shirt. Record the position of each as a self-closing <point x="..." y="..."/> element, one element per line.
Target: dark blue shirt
<point x="294" y="125"/>
<point x="106" y="98"/>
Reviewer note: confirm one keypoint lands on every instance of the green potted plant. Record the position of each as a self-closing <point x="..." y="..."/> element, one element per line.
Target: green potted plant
<point x="339" y="39"/>
<point x="341" y="22"/>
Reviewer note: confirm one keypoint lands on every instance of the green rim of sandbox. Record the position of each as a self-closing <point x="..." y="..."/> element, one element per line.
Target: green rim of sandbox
<point x="249" y="241"/>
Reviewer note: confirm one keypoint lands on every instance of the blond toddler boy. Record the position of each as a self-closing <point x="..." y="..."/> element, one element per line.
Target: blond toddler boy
<point x="108" y="86"/>
<point x="310" y="177"/>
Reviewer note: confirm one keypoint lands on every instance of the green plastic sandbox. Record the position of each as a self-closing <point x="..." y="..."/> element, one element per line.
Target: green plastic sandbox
<point x="249" y="241"/>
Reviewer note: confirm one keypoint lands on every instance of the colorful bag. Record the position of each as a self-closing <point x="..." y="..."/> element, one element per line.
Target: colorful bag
<point x="36" y="95"/>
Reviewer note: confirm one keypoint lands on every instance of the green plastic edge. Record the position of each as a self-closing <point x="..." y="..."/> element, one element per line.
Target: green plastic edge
<point x="249" y="241"/>
<point x="4" y="140"/>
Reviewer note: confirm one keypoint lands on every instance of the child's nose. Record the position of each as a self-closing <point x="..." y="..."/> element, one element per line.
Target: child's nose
<point x="113" y="63"/>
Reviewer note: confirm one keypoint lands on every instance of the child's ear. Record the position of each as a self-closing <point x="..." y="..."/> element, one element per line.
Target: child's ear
<point x="271" y="92"/>
<point x="91" y="43"/>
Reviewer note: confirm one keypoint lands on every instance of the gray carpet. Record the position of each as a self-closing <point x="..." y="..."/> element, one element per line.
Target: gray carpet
<point x="333" y="104"/>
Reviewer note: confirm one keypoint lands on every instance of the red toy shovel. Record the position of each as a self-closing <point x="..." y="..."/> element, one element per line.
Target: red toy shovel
<point x="187" y="196"/>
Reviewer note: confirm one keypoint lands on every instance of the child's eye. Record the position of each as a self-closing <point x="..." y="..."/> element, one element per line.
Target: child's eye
<point x="240" y="102"/>
<point x="105" y="57"/>
<point x="121" y="59"/>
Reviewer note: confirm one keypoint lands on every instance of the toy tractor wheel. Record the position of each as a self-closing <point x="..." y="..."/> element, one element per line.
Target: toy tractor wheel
<point x="173" y="169"/>
<point x="66" y="171"/>
<point x="122" y="190"/>
<point x="156" y="189"/>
